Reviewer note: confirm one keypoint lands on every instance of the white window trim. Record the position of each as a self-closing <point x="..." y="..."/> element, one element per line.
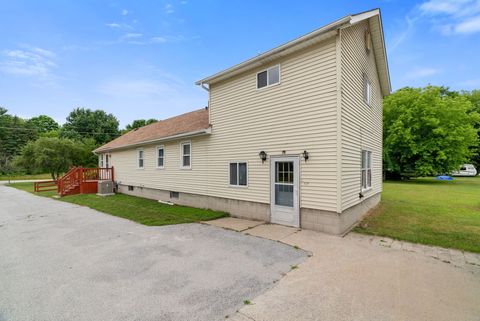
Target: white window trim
<point x="366" y="169"/>
<point x="367" y="92"/>
<point x="138" y="158"/>
<point x="108" y="160"/>
<point x="269" y="85"/>
<point x="189" y="142"/>
<point x="238" y="176"/>
<point x="101" y="161"/>
<point x="156" y="156"/>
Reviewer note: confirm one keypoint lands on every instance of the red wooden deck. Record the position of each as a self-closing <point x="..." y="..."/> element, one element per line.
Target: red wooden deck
<point x="78" y="180"/>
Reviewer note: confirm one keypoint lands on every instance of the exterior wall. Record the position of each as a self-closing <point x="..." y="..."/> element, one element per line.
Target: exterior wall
<point x="318" y="106"/>
<point x="171" y="177"/>
<point x="361" y="125"/>
<point x="296" y="115"/>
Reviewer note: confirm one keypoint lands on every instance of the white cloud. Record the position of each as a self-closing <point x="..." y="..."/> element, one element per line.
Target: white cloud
<point x="169" y="8"/>
<point x="457" y="8"/>
<point x="469" y="26"/>
<point x="470" y="83"/>
<point x="120" y="26"/>
<point x="30" y="62"/>
<point x="131" y="35"/>
<point x="453" y="16"/>
<point x="158" y="40"/>
<point x="124" y="12"/>
<point x="422" y="72"/>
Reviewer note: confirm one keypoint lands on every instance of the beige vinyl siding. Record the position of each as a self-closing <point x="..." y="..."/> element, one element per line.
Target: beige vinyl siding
<point x="361" y="125"/>
<point x="171" y="177"/>
<point x="296" y="115"/>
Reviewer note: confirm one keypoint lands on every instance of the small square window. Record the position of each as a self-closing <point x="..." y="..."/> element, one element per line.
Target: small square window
<point x="130" y="188"/>
<point x="268" y="77"/>
<point x="238" y="174"/>
<point x="174" y="194"/>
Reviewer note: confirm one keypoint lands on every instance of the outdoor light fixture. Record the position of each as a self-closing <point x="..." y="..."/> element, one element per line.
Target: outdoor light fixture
<point x="263" y="156"/>
<point x="305" y="155"/>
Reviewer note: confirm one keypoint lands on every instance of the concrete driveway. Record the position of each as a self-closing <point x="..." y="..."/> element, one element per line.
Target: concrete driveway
<point x="59" y="261"/>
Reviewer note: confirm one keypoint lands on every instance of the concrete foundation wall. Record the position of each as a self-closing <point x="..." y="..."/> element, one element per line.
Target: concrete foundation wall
<point x="311" y="219"/>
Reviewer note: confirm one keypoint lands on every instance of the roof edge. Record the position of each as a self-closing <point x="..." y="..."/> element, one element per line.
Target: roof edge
<point x="244" y="65"/>
<point x="201" y="132"/>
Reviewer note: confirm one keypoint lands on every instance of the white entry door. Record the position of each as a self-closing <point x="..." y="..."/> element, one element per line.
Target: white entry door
<point x="284" y="203"/>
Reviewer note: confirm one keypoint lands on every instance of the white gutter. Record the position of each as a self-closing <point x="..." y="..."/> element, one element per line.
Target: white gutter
<point x="201" y="132"/>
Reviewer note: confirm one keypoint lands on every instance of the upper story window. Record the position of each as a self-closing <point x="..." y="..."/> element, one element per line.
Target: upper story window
<point x="140" y="158"/>
<point x="366" y="169"/>
<point x="268" y="77"/>
<point x="107" y="161"/>
<point x="100" y="160"/>
<point x="238" y="174"/>
<point x="367" y="90"/>
<point x="186" y="151"/>
<point x="160" y="156"/>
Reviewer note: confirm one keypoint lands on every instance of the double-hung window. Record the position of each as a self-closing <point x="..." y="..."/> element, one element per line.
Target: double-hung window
<point x="160" y="157"/>
<point x="107" y="161"/>
<point x="367" y="90"/>
<point x="140" y="158"/>
<point x="101" y="160"/>
<point x="268" y="77"/>
<point x="186" y="155"/>
<point x="238" y="173"/>
<point x="366" y="171"/>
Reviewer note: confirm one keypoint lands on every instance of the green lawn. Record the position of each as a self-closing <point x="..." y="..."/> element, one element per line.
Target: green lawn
<point x="428" y="211"/>
<point x="21" y="177"/>
<point x="141" y="210"/>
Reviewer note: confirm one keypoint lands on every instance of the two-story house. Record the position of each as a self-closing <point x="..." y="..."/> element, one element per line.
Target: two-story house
<point x="292" y="136"/>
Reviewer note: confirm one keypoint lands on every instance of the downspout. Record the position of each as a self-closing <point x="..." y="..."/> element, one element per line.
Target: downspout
<point x="204" y="87"/>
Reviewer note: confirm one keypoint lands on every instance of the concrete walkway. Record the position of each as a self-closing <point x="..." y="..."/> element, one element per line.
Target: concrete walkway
<point x="360" y="278"/>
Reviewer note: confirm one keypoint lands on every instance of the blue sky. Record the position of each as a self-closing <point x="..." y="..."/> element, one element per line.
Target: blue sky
<point x="140" y="59"/>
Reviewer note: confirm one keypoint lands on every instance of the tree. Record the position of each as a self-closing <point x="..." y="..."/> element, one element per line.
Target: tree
<point x="474" y="97"/>
<point x="427" y="131"/>
<point x="43" y="124"/>
<point x="137" y="123"/>
<point x="50" y="155"/>
<point x="15" y="132"/>
<point x="86" y="123"/>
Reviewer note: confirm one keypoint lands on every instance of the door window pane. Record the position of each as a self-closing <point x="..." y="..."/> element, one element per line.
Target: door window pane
<point x="284" y="195"/>
<point x="284" y="182"/>
<point x="284" y="172"/>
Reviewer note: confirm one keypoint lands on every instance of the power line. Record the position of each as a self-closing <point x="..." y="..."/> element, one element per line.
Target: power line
<point x="73" y="131"/>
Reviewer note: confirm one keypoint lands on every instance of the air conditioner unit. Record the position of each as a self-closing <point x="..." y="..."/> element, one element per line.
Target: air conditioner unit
<point x="105" y="188"/>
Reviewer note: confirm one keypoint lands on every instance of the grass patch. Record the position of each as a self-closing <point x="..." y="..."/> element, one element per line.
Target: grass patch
<point x="15" y="177"/>
<point x="429" y="211"/>
<point x="141" y="210"/>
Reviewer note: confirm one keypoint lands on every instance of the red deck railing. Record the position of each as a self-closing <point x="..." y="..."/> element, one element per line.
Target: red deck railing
<point x="76" y="180"/>
<point x="45" y="186"/>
